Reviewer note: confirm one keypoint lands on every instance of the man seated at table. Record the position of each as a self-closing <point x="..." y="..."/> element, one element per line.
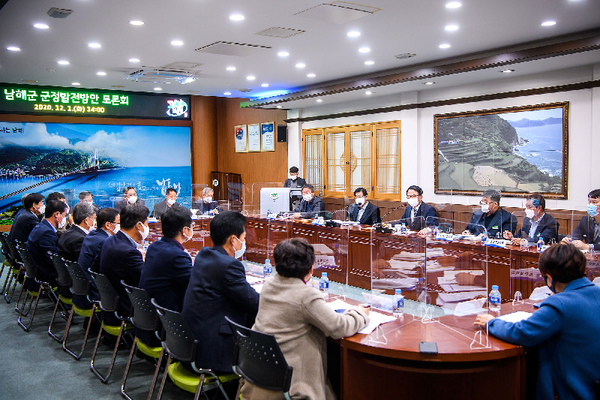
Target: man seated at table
<point x="218" y="288"/>
<point x="418" y="215"/>
<point x="587" y="234"/>
<point x="69" y="244"/>
<point x="362" y="210"/>
<point x="537" y="225"/>
<point x="169" y="201"/>
<point x="496" y="220"/>
<point x="129" y="198"/>
<point x="294" y="181"/>
<point x="33" y="206"/>
<point x="310" y="206"/>
<point x="206" y="204"/>
<point x="60" y="197"/>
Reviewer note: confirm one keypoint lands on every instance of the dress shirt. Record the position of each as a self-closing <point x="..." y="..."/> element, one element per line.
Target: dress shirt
<point x="534" y="225"/>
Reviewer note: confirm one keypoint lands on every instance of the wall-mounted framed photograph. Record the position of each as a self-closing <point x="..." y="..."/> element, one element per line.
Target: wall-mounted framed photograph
<point x="254" y="137"/>
<point x="267" y="135"/>
<point x="241" y="139"/>
<point x="517" y="150"/>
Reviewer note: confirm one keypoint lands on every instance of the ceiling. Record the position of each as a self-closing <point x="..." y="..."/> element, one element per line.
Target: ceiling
<point x="318" y="39"/>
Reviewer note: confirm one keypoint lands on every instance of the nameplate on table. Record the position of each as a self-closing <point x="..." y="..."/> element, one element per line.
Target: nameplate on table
<point x="497" y="243"/>
<point x="445" y="236"/>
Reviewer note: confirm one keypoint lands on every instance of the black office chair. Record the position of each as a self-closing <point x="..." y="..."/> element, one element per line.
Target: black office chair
<point x="179" y="342"/>
<point x="64" y="281"/>
<point x="5" y="252"/>
<point x="16" y="274"/>
<point x="144" y="316"/>
<point x="80" y="286"/>
<point x="259" y="360"/>
<point x="109" y="302"/>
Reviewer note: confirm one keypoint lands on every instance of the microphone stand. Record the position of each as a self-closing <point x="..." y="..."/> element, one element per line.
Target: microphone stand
<point x="379" y="226"/>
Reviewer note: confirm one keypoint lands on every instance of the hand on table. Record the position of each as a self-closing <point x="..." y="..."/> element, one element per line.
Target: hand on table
<point x="364" y="309"/>
<point x="483" y="319"/>
<point x="425" y="231"/>
<point x="580" y="245"/>
<point x="519" y="242"/>
<point x="508" y="235"/>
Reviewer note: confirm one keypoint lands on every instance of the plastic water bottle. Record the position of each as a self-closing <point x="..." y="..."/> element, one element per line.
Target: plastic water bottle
<point x="483" y="239"/>
<point x="324" y="285"/>
<point x="267" y="269"/>
<point x="403" y="229"/>
<point x="398" y="306"/>
<point x="540" y="245"/>
<point x="494" y="300"/>
<point x="146" y="245"/>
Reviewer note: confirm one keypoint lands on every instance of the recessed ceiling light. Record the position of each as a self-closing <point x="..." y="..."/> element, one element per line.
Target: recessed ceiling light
<point x="76" y="84"/>
<point x="369" y="62"/>
<point x="236" y="17"/>
<point x="453" y="4"/>
<point x="283" y="54"/>
<point x="319" y="101"/>
<point x="227" y="93"/>
<point x="353" y="34"/>
<point x="101" y="73"/>
<point x="63" y="62"/>
<point x="177" y="43"/>
<point x="134" y="60"/>
<point x="429" y="83"/>
<point x="251" y="77"/>
<point x="279" y="106"/>
<point x="507" y="71"/>
<point x="231" y="68"/>
<point x="300" y="65"/>
<point x="136" y="23"/>
<point x="364" y="50"/>
<point x="444" y="46"/>
<point x="368" y="93"/>
<point x="548" y="23"/>
<point x="451" y="28"/>
<point x="158" y="89"/>
<point x="310" y="75"/>
<point x="41" y="26"/>
<point x="13" y="48"/>
<point x="95" y="45"/>
<point x="265" y="85"/>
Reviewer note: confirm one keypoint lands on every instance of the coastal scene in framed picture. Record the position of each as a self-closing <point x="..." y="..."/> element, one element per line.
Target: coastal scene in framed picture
<point x="516" y="150"/>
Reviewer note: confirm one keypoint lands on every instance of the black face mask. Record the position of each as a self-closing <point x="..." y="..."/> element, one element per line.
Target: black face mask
<point x="551" y="286"/>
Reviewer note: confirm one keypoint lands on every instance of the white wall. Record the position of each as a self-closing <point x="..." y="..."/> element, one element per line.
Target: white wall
<point x="417" y="128"/>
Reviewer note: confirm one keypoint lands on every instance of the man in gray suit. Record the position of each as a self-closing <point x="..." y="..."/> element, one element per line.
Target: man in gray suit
<point x="169" y="201"/>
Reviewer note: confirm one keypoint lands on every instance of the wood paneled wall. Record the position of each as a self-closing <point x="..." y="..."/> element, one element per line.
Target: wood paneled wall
<point x="204" y="139"/>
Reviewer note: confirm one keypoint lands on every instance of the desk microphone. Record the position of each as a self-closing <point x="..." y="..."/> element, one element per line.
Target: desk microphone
<point x="341" y="209"/>
<point x="389" y="212"/>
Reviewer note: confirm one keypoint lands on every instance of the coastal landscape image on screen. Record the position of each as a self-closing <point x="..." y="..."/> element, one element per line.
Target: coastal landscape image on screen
<point x="514" y="152"/>
<point x="102" y="159"/>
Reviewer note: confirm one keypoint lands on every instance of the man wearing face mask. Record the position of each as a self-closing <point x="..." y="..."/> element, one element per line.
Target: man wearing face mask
<point x="129" y="198"/>
<point x="33" y="205"/>
<point x="294" y="181"/>
<point x="495" y="219"/>
<point x="121" y="260"/>
<point x="218" y="288"/>
<point x="69" y="244"/>
<point x="60" y="197"/>
<point x="169" y="201"/>
<point x="362" y="211"/>
<point x="587" y="234"/>
<point x="206" y="204"/>
<point x="418" y="215"/>
<point x="168" y="266"/>
<point x="310" y="206"/>
<point x="537" y="225"/>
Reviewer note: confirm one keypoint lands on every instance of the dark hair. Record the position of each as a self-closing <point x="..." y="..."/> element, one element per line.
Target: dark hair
<point x="563" y="261"/>
<point x="294" y="258"/>
<point x="31" y="199"/>
<point x="416" y="189"/>
<point x="174" y="219"/>
<point x="225" y="224"/>
<point x="55" y="196"/>
<point x="294" y="170"/>
<point x="169" y="190"/>
<point x="308" y="186"/>
<point x="85" y="194"/>
<point x="105" y="215"/>
<point x="493" y="194"/>
<point x="539" y="199"/>
<point x="81" y="211"/>
<point x="361" y="189"/>
<point x="128" y="188"/>
<point x="53" y="206"/>
<point x="131" y="215"/>
<point x="594" y="194"/>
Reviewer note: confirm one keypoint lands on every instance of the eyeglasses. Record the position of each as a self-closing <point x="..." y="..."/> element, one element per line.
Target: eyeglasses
<point x="481" y="203"/>
<point x="412" y="196"/>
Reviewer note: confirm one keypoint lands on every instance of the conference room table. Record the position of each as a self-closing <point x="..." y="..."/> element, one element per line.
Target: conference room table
<point x="388" y="363"/>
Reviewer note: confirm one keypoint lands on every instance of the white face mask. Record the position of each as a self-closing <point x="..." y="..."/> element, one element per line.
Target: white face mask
<point x="485" y="208"/>
<point x="117" y="229"/>
<point x="240" y="252"/>
<point x="62" y="223"/>
<point x="132" y="199"/>
<point x="170" y="202"/>
<point x="188" y="238"/>
<point x="529" y="213"/>
<point x="307" y="197"/>
<point x="42" y="209"/>
<point x="293" y="177"/>
<point x="413" y="202"/>
<point x="360" y="201"/>
<point x="93" y="227"/>
<point x="145" y="232"/>
<point x="208" y="199"/>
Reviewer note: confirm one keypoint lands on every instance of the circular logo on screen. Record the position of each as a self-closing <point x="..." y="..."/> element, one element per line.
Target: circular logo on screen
<point x="177" y="108"/>
<point x="215" y="182"/>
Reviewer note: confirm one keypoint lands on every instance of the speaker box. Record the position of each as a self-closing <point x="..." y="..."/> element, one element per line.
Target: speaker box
<point x="282" y="133"/>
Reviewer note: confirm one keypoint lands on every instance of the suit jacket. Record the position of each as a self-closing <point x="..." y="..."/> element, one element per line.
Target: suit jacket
<point x="120" y="260"/>
<point x="69" y="244"/>
<point x="588" y="231"/>
<point x="296" y="184"/>
<point x="89" y="258"/>
<point x="426" y="216"/>
<point x="547" y="229"/>
<point x="161" y="208"/>
<point x="300" y="319"/>
<point x="217" y="288"/>
<point x="370" y="215"/>
<point x="203" y="207"/>
<point x="41" y="240"/>
<point x="316" y="206"/>
<point x="564" y="328"/>
<point x="502" y="221"/>
<point x="123" y="203"/>
<point x="23" y="226"/>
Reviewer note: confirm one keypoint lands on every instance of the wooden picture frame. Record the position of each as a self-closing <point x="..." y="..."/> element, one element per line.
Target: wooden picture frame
<point x="516" y="150"/>
<point x="267" y="136"/>
<point x="240" y="135"/>
<point x="254" y="138"/>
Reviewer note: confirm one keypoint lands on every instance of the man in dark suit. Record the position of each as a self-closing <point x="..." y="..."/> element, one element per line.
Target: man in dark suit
<point x="168" y="266"/>
<point x="362" y="211"/>
<point x="129" y="198"/>
<point x="33" y="205"/>
<point x="587" y="234"/>
<point x="418" y="215"/>
<point x="218" y="288"/>
<point x="294" y="181"/>
<point x="310" y="206"/>
<point x="206" y="204"/>
<point x="495" y="219"/>
<point x="169" y="201"/>
<point x="121" y="260"/>
<point x="537" y="225"/>
<point x="69" y="244"/>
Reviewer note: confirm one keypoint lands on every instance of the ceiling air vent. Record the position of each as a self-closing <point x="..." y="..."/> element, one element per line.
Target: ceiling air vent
<point x="338" y="12"/>
<point x="244" y="90"/>
<point x="404" y="56"/>
<point x="162" y="75"/>
<point x="55" y="12"/>
<point x="280" y="32"/>
<point x="232" y="49"/>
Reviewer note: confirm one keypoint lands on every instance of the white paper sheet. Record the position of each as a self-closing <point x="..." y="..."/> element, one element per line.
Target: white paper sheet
<point x="376" y="318"/>
<point x="515" y="317"/>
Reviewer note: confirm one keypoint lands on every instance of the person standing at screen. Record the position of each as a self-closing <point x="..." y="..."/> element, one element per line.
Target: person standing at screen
<point x="294" y="181"/>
